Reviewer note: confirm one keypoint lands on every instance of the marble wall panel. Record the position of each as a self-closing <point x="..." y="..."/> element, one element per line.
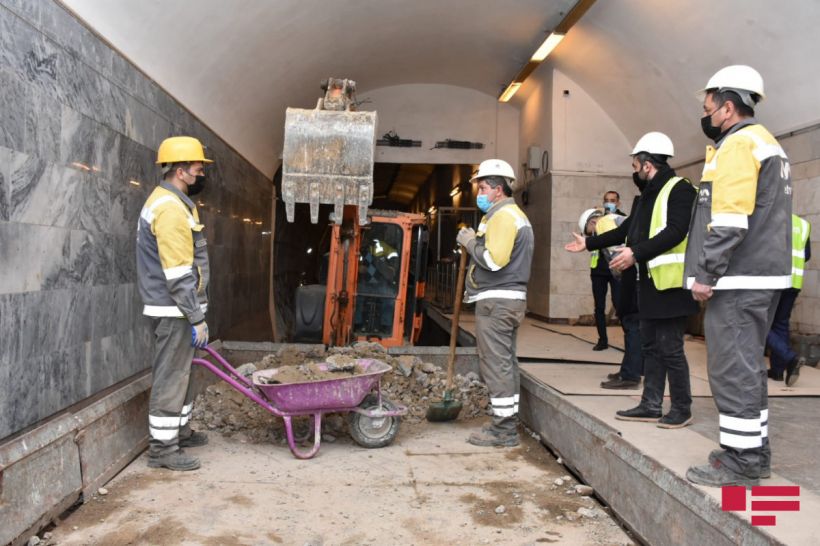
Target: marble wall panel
<point x="86" y="142"/>
<point x="12" y="110"/>
<point x="79" y="127"/>
<point x="52" y="319"/>
<point x="5" y="181"/>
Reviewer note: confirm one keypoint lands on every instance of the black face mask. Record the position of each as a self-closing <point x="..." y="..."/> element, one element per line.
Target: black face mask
<point x="641" y="183"/>
<point x="197" y="186"/>
<point x="709" y="130"/>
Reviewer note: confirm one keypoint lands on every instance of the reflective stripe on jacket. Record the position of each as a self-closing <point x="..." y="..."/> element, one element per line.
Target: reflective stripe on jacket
<point x="500" y="255"/>
<point x="801" y="230"/>
<point x="172" y="256"/>
<point x="740" y="233"/>
<point x="666" y="270"/>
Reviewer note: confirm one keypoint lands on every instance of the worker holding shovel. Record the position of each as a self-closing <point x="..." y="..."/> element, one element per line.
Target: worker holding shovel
<point x="500" y="258"/>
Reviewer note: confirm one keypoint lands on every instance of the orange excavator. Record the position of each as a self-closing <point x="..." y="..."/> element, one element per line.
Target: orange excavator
<point x="377" y="259"/>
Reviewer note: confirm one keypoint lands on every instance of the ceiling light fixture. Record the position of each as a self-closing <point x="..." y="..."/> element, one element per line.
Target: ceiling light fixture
<point x="548" y="45"/>
<point x="546" y="48"/>
<point x="509" y="92"/>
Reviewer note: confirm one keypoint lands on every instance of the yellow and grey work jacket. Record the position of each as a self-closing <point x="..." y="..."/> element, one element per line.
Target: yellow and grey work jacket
<point x="740" y="236"/>
<point x="501" y="254"/>
<point x="172" y="256"/>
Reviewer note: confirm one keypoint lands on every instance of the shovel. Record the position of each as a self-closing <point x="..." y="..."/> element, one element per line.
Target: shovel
<point x="449" y="408"/>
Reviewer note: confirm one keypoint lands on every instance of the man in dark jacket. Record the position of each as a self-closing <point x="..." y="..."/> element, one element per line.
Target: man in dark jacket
<point x="655" y="237"/>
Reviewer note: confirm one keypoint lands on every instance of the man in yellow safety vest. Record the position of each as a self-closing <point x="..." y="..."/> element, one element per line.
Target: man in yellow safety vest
<point x="782" y="357"/>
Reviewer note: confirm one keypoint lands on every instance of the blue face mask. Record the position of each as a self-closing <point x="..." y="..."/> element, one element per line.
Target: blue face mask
<point x="483" y="202"/>
<point x="610" y="207"/>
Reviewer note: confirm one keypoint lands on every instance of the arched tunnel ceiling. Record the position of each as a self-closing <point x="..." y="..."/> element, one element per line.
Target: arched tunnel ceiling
<point x="238" y="65"/>
<point x="643" y="61"/>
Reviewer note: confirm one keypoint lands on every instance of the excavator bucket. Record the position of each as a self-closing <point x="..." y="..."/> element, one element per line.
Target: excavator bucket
<point x="328" y="156"/>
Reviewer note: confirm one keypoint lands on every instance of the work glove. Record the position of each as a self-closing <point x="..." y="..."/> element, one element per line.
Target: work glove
<point x="199" y="335"/>
<point x="465" y="236"/>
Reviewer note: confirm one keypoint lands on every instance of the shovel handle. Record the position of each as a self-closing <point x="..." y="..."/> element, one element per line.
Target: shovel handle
<point x="451" y="359"/>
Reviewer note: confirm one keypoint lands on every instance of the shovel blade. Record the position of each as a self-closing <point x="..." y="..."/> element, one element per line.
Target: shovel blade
<point x="444" y="410"/>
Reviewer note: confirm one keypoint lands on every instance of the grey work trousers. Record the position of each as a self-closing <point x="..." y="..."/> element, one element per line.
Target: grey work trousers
<point x="497" y="322"/>
<point x="736" y="325"/>
<point x="171" y="402"/>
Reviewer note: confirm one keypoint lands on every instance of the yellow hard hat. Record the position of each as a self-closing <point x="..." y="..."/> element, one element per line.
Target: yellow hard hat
<point x="181" y="149"/>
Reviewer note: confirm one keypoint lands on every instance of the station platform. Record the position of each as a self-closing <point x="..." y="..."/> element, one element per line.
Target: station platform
<point x="639" y="469"/>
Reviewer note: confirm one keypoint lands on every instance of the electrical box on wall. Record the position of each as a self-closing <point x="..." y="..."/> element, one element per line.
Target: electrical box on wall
<point x="534" y="157"/>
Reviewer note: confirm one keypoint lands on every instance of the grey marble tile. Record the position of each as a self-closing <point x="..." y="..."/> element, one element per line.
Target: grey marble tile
<point x="42" y="125"/>
<point x="5" y="182"/>
<point x="95" y="204"/>
<point x="52" y="319"/>
<point x="137" y="162"/>
<point x="112" y="310"/>
<point x="24" y="405"/>
<point x="27" y="53"/>
<point x="127" y="199"/>
<point x="63" y="376"/>
<point x="125" y="260"/>
<point x="71" y="33"/>
<point x="144" y="125"/>
<point x="44" y="193"/>
<point x="12" y="111"/>
<point x="10" y="327"/>
<point x="40" y="256"/>
<point x="86" y="142"/>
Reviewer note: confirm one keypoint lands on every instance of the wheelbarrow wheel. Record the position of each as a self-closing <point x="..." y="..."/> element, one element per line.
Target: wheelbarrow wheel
<point x="373" y="432"/>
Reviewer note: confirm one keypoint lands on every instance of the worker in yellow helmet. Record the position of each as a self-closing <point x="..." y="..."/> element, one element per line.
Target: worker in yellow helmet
<point x="172" y="274"/>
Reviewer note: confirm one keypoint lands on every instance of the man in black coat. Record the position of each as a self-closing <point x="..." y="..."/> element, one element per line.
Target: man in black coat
<point x="655" y="237"/>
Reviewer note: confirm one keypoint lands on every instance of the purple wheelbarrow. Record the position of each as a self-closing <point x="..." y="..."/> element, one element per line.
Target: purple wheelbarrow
<point x="374" y="421"/>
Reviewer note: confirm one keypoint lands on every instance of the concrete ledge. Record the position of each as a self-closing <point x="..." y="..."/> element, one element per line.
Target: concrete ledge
<point x="65" y="459"/>
<point x="657" y="504"/>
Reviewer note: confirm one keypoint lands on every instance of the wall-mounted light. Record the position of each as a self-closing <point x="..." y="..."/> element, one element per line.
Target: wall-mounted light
<point x="134" y="183"/>
<point x="455" y="191"/>
<point x="309" y="250"/>
<point x="246" y="220"/>
<point x="431" y="211"/>
<point x="546" y="48"/>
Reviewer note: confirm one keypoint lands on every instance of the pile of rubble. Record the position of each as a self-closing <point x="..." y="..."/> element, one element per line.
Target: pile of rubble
<point x="412" y="382"/>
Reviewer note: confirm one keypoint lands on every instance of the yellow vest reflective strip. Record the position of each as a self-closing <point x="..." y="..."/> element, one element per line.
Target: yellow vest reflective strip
<point x="593" y="261"/>
<point x="666" y="270"/>
<point x="800" y="235"/>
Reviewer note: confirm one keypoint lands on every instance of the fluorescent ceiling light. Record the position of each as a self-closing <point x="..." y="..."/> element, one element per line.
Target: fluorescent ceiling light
<point x="546" y="48"/>
<point x="509" y="92"/>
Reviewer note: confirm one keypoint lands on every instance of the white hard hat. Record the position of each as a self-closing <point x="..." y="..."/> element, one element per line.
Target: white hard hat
<point x="494" y="167"/>
<point x="737" y="77"/>
<point x="654" y="143"/>
<point x="586" y="216"/>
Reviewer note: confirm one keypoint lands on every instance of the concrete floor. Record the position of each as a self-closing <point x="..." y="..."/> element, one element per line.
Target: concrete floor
<point x="429" y="487"/>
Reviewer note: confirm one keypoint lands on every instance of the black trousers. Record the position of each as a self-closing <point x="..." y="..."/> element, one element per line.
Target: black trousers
<point x="662" y="341"/>
<point x="599" y="286"/>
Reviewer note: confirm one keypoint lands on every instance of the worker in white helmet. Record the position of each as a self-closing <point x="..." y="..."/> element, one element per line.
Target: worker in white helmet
<point x="500" y="259"/>
<point x="738" y="260"/>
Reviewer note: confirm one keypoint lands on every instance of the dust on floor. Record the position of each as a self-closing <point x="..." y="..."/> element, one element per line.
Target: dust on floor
<point x="428" y="487"/>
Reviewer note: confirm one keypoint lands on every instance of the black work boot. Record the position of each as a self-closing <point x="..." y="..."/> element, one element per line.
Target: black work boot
<point x="621" y="384"/>
<point x="492" y="437"/>
<point x="793" y="371"/>
<point x="178" y="460"/>
<point x="601" y="345"/>
<point x="196" y="439"/>
<point x="638" y="413"/>
<point x="716" y="474"/>
<point x="675" y="419"/>
<point x="765" y="470"/>
<point x="613" y="375"/>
